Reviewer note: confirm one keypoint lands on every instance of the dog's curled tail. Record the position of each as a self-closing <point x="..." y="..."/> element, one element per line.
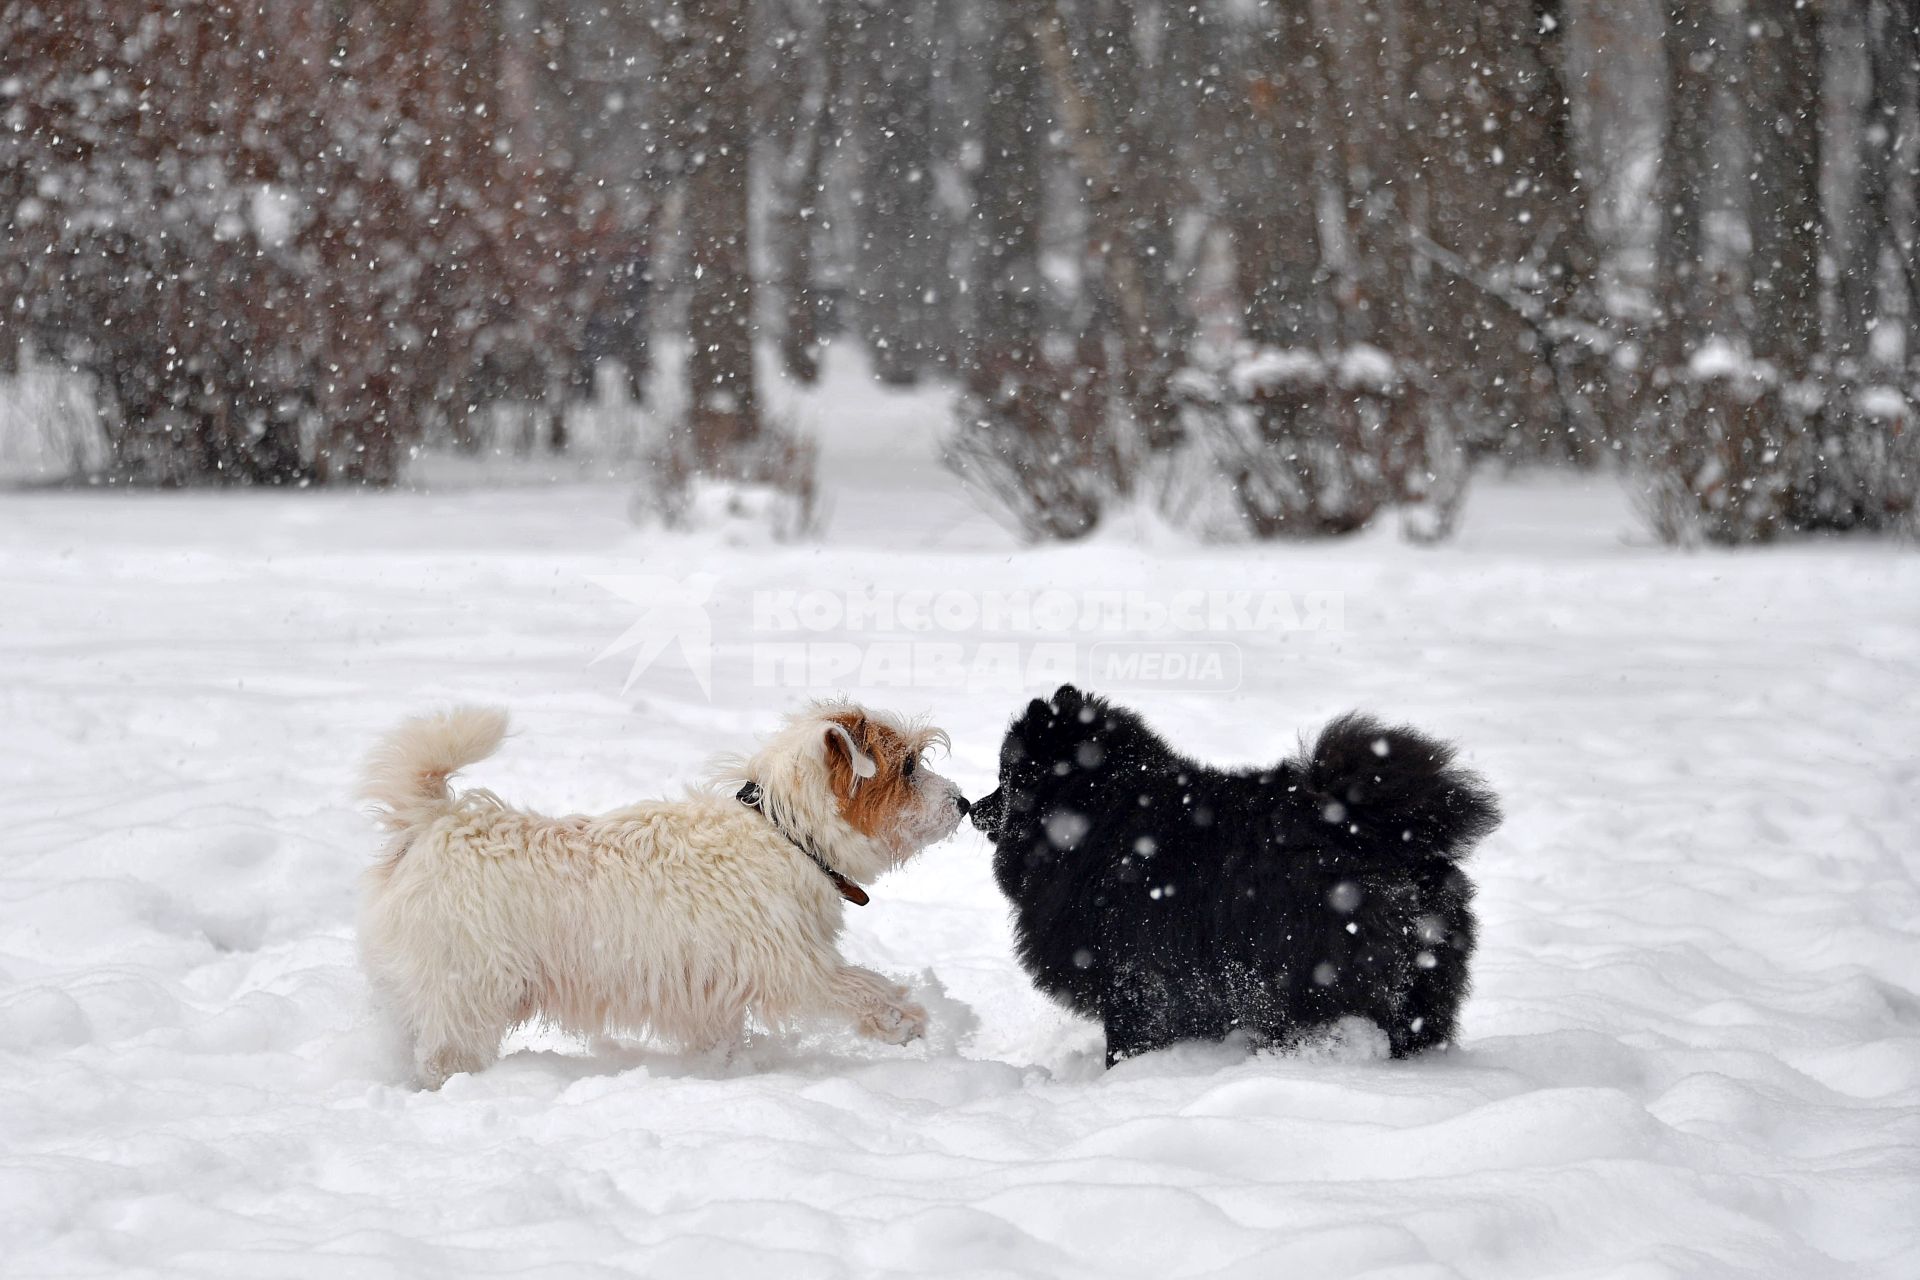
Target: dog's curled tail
<point x="1396" y="793"/>
<point x="406" y="775"/>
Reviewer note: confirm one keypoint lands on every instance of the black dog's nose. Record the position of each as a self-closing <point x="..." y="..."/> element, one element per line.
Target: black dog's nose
<point x="965" y="808"/>
<point x="985" y="812"/>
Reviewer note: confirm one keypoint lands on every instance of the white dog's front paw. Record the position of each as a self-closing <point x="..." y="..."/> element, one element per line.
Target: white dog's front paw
<point x="897" y="1024"/>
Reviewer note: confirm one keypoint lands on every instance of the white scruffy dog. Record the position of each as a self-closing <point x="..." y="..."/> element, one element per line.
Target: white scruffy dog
<point x="678" y="917"/>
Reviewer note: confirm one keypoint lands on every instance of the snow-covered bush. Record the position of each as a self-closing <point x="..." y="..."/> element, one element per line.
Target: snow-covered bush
<point x="1728" y="450"/>
<point x="1309" y="444"/>
<point x="1859" y="463"/>
<point x="49" y="424"/>
<point x="1272" y="443"/>
<point x="1715" y="450"/>
<point x="764" y="490"/>
<point x="1031" y="482"/>
<point x="1027" y="450"/>
<point x="1289" y="434"/>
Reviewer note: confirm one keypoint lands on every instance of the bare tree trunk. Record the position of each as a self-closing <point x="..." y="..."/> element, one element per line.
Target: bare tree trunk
<point x="1015" y="444"/>
<point x="1008" y="194"/>
<point x="1686" y="162"/>
<point x="1577" y="358"/>
<point x="1863" y="227"/>
<point x="1784" y="215"/>
<point x="1126" y="243"/>
<point x="25" y="35"/>
<point x="901" y="250"/>
<point x="1489" y="127"/>
<point x="1274" y="215"/>
<point x="1388" y="177"/>
<point x="1727" y="443"/>
<point x="13" y="192"/>
<point x="1896" y="65"/>
<point x="1139" y="204"/>
<point x="797" y="213"/>
<point x="723" y="403"/>
<point x="1570" y="255"/>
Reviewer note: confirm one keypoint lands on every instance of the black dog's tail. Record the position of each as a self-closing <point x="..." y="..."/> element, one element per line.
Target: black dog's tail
<point x="1395" y="794"/>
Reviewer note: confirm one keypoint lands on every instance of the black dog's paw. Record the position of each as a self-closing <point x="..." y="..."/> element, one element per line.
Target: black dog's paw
<point x="1044" y="713"/>
<point x="1125" y="1040"/>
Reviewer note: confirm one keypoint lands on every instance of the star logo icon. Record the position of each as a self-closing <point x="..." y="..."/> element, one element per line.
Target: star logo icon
<point x="673" y="612"/>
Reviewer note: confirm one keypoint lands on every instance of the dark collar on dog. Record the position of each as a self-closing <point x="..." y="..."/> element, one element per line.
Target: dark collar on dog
<point x="751" y="796"/>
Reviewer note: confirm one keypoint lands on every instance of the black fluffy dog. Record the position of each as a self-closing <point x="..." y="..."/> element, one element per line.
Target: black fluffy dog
<point x="1174" y="901"/>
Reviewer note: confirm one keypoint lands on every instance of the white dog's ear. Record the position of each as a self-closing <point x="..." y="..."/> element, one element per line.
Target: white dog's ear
<point x="862" y="764"/>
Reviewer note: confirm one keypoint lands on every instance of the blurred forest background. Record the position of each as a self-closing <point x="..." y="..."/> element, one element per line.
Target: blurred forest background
<point x="1287" y="263"/>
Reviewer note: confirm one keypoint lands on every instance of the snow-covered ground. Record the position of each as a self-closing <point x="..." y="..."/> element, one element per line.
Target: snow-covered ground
<point x="1694" y="1048"/>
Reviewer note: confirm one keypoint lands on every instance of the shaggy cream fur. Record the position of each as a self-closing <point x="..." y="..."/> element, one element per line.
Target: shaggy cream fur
<point x="680" y="918"/>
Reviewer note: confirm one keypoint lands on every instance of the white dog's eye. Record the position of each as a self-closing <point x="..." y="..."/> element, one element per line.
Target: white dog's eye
<point x="906" y="770"/>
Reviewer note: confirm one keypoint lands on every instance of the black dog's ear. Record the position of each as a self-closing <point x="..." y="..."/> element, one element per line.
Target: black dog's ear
<point x="1066" y="697"/>
<point x="1038" y="711"/>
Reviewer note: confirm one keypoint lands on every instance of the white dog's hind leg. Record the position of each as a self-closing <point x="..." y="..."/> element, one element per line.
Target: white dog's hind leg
<point x="435" y="1064"/>
<point x="458" y="1025"/>
<point x="878" y="1009"/>
<point x="722" y="1030"/>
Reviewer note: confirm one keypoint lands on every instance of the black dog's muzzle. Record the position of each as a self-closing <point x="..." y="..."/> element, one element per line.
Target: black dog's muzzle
<point x="985" y="814"/>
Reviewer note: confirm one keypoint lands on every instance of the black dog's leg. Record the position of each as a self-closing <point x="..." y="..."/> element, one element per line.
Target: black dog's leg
<point x="1128" y="1038"/>
<point x="1424" y="1022"/>
<point x="1137" y="1011"/>
<point x="1429" y="1016"/>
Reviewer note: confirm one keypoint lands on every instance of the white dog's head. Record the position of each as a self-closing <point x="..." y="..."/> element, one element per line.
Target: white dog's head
<point x="854" y="783"/>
